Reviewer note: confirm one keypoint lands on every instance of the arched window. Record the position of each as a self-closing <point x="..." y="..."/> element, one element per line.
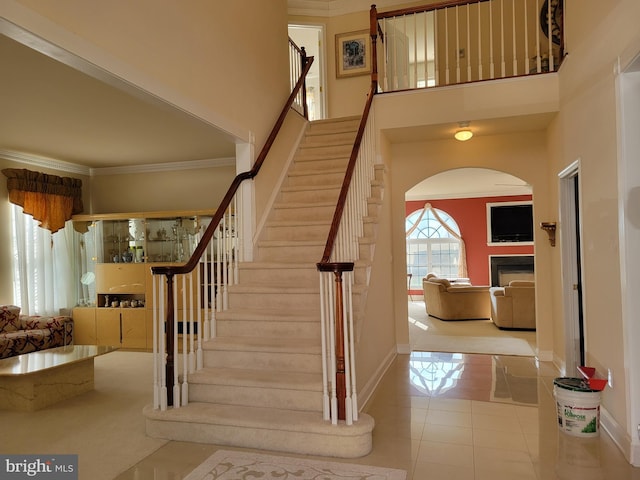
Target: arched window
<point x="432" y="246"/>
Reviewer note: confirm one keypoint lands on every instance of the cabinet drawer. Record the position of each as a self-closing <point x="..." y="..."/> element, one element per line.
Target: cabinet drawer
<point x="121" y="277"/>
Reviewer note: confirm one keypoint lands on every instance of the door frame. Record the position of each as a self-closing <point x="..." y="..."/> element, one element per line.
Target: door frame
<point x="319" y="54"/>
<point x="628" y="100"/>
<point x="569" y="224"/>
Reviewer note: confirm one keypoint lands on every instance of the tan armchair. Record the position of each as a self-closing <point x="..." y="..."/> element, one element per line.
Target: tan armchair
<point x="455" y="302"/>
<point x="514" y="306"/>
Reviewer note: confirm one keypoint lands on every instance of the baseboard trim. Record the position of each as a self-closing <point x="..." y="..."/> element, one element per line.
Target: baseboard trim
<point x="365" y="394"/>
<point x="629" y="449"/>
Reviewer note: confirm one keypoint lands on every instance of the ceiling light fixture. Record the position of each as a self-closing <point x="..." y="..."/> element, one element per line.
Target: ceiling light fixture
<point x="464" y="133"/>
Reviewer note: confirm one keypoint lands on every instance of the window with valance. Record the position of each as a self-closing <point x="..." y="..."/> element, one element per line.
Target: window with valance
<point x="49" y="199"/>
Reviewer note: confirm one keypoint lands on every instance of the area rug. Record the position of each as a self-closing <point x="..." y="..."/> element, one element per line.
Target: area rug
<point x="230" y="465"/>
<point x="429" y="334"/>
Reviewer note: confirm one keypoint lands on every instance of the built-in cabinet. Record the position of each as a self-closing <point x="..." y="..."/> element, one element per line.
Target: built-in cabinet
<point x="116" y="254"/>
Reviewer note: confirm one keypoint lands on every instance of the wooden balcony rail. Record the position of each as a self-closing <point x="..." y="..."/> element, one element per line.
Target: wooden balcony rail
<point x="192" y="293"/>
<point x="461" y="41"/>
<point x="297" y="62"/>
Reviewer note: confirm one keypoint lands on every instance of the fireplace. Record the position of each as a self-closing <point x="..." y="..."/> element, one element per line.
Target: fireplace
<point x="510" y="267"/>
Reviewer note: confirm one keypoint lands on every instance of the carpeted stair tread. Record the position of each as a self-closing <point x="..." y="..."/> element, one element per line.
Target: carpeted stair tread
<point x="268" y="314"/>
<point x="304" y="205"/>
<point x="258" y="378"/>
<point x="261" y="344"/>
<point x="260" y="417"/>
<point x="274" y="288"/>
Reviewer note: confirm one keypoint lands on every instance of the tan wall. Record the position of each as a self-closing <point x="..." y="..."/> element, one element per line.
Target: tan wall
<point x="189" y="189"/>
<point x="522" y="155"/>
<point x="345" y="96"/>
<point x="587" y="129"/>
<point x="228" y="57"/>
<point x="278" y="159"/>
<point x="375" y="332"/>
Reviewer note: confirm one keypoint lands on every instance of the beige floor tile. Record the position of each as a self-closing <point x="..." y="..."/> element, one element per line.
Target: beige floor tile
<point x="450" y="405"/>
<point x="496" y="422"/>
<point x="501" y="464"/>
<point x="445" y="453"/>
<point x="436" y="471"/>
<point x="512" y="441"/>
<point x="448" y="434"/>
<point x="496" y="409"/>
<point x="441" y="417"/>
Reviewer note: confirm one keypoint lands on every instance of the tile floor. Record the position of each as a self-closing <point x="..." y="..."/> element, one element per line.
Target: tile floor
<point x="456" y="417"/>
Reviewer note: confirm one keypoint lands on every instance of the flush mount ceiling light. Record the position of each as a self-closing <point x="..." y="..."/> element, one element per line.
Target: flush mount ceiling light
<point x="464" y="133"/>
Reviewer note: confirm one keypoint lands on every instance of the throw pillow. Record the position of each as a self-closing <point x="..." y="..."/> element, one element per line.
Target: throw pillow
<point x="9" y="318"/>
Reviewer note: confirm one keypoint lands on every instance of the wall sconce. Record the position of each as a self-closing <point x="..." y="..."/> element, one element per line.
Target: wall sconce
<point x="464" y="133"/>
<point x="550" y="228"/>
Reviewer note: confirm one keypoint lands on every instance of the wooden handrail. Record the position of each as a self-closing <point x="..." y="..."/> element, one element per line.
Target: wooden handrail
<point x="344" y="190"/>
<point x="235" y="184"/>
<point x="170" y="271"/>
<point x="427" y="8"/>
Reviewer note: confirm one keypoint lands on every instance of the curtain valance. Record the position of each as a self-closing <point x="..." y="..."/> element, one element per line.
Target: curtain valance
<point x="50" y="199"/>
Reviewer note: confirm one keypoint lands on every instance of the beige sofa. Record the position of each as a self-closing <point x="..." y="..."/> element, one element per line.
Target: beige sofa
<point x="514" y="306"/>
<point x="455" y="302"/>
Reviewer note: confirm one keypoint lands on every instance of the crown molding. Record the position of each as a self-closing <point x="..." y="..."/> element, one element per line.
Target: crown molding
<point x="164" y="167"/>
<point x="45" y="162"/>
<point x="62" y="166"/>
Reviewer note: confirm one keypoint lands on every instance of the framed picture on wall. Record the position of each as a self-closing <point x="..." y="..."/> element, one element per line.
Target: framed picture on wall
<point x="353" y="54"/>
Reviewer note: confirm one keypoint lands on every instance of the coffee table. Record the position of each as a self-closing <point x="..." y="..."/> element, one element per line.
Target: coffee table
<point x="36" y="380"/>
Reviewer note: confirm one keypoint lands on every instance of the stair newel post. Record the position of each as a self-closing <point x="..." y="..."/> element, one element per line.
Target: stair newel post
<point x="169" y="333"/>
<point x="341" y="382"/>
<point x="339" y="335"/>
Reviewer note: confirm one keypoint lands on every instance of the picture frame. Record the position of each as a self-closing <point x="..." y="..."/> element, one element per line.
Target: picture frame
<point x="353" y="54"/>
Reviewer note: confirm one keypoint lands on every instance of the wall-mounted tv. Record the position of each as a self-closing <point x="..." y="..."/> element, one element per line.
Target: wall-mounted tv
<point x="510" y="222"/>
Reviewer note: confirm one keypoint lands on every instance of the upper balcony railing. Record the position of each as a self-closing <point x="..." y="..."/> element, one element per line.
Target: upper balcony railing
<point x="461" y="41"/>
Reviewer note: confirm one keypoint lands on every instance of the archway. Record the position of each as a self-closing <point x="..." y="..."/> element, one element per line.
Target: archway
<point x="467" y="196"/>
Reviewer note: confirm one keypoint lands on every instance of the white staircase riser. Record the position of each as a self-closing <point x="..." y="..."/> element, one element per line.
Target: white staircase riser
<point x="275" y="300"/>
<point x="267" y="329"/>
<point x="309" y="254"/>
<point x="337" y="138"/>
<point x="299" y="232"/>
<point x="323" y="152"/>
<point x="331" y="163"/>
<point x="303" y="213"/>
<point x="280" y="276"/>
<point x="299" y="400"/>
<point x="287" y="362"/>
<point x="321" y="195"/>
<point x="314" y="178"/>
<point x="331" y="127"/>
<point x="274" y="439"/>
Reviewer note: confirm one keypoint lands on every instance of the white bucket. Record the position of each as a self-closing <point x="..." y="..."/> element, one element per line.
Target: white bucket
<point x="578" y="407"/>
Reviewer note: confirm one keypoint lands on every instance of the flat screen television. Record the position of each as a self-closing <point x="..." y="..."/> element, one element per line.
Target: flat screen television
<point x="510" y="222"/>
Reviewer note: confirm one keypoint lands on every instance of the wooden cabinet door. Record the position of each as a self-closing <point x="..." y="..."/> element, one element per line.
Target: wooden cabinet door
<point x="134" y="327"/>
<point x="84" y="326"/>
<point x="108" y="326"/>
<point x="121" y="278"/>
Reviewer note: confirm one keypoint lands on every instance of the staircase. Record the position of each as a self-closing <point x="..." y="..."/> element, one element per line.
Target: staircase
<point x="261" y="385"/>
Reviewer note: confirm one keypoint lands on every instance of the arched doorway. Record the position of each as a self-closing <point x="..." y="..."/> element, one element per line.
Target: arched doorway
<point x="464" y="196"/>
